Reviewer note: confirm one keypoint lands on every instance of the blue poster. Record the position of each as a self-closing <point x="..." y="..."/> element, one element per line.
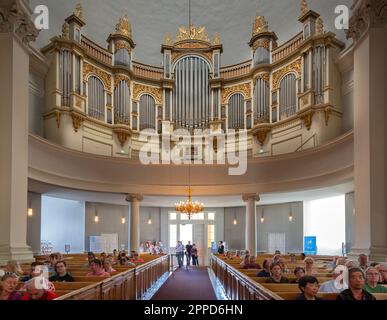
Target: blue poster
<point x="310" y="245"/>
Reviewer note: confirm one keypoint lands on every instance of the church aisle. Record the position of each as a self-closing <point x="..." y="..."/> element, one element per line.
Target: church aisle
<point x="187" y="284"/>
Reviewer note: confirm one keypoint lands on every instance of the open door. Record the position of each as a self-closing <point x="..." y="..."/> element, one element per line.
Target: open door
<point x="198" y="239"/>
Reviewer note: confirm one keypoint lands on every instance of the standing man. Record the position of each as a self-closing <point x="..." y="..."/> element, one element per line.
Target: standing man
<point x="221" y="247"/>
<point x="180" y="253"/>
<point x="188" y="249"/>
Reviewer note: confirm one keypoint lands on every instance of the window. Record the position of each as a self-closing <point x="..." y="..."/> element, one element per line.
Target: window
<point x="172" y="235"/>
<point x="198" y="216"/>
<point x="211" y="216"/>
<point x="172" y="216"/>
<point x="210" y="235"/>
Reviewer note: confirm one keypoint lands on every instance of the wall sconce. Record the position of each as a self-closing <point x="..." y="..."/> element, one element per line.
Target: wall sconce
<point x="123" y="220"/>
<point x="262" y="217"/>
<point x="290" y="213"/>
<point x="235" y="221"/>
<point x="149" y="220"/>
<point x="30" y="211"/>
<point x="96" y="218"/>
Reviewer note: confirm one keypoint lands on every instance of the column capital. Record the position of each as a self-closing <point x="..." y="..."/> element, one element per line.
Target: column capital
<point x="15" y="17"/>
<point x="366" y="14"/>
<point x="251" y="197"/>
<point x="134" y="197"/>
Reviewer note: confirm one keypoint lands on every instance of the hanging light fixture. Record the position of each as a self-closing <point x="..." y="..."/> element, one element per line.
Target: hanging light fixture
<point x="290" y="213"/>
<point x="262" y="217"/>
<point x="123" y="220"/>
<point x="96" y="218"/>
<point x="149" y="219"/>
<point x="235" y="221"/>
<point x="30" y="212"/>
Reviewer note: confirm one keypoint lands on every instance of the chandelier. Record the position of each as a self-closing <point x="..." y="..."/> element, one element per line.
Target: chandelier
<point x="188" y="207"/>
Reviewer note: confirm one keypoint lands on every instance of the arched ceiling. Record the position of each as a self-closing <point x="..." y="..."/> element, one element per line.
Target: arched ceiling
<point x="151" y="19"/>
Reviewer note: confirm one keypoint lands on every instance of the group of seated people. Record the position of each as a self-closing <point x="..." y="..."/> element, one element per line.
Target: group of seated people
<point x="152" y="247"/>
<point x="362" y="279"/>
<point x="38" y="283"/>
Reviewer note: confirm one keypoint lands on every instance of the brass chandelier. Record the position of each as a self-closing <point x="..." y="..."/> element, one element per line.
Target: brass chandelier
<point x="188" y="207"/>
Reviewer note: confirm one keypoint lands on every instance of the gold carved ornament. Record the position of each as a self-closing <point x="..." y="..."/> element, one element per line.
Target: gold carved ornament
<point x="139" y="89"/>
<point x="307" y="118"/>
<point x="319" y="26"/>
<point x="78" y="11"/>
<point x="278" y="75"/>
<point x="304" y="7"/>
<point x="260" y="25"/>
<point x="77" y="121"/>
<point x="122" y="45"/>
<point x="176" y="55"/>
<point x="192" y="33"/>
<point x="245" y="89"/>
<point x="262" y="43"/>
<point x="123" y="27"/>
<point x="264" y="76"/>
<point x="120" y="78"/>
<point x="106" y="78"/>
<point x="216" y="39"/>
<point x="122" y="135"/>
<point x="261" y="134"/>
<point x="167" y="39"/>
<point x="66" y="31"/>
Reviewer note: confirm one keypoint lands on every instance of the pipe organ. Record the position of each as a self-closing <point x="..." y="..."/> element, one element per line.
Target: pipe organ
<point x="97" y="87"/>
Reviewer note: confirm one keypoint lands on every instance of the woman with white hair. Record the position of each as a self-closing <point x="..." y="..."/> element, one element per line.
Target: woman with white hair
<point x="372" y="279"/>
<point x="338" y="283"/>
<point x="308" y="261"/>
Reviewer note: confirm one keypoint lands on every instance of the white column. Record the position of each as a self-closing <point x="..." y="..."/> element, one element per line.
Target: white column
<point x="16" y="30"/>
<point x="370" y="129"/>
<point x="250" y="235"/>
<point x="134" y="200"/>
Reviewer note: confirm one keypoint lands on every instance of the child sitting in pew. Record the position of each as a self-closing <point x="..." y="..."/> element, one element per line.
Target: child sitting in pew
<point x="61" y="274"/>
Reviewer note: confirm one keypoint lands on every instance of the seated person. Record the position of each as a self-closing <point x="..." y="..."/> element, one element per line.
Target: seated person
<point x="237" y="254"/>
<point x="252" y="264"/>
<point x="34" y="271"/>
<point x="90" y="259"/>
<point x="9" y="286"/>
<point x="102" y="256"/>
<point x="356" y="283"/>
<point x="107" y="265"/>
<point x="336" y="285"/>
<point x="126" y="262"/>
<point x="350" y="264"/>
<point x="292" y="258"/>
<point x="276" y="274"/>
<point x="38" y="289"/>
<point x="228" y="255"/>
<point x="277" y="252"/>
<point x="54" y="258"/>
<point x="61" y="274"/>
<point x="137" y="259"/>
<point x="246" y="260"/>
<point x="97" y="270"/>
<point x="265" y="273"/>
<point x="309" y="288"/>
<point x="299" y="272"/>
<point x="372" y="279"/>
<point x="363" y="261"/>
<point x="14" y="268"/>
<point x="383" y="273"/>
<point x="281" y="262"/>
<point x="309" y="266"/>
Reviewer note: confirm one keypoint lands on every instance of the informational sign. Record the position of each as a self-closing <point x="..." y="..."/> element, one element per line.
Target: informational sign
<point x="310" y="245"/>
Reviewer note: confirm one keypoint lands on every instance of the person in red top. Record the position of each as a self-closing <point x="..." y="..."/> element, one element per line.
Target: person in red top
<point x="37" y="290"/>
<point x="97" y="270"/>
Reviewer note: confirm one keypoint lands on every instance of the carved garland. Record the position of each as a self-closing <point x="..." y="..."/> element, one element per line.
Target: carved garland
<point x="119" y="78"/>
<point x="278" y="75"/>
<point x="176" y="55"/>
<point x="139" y="89"/>
<point x="106" y="78"/>
<point x="122" y="45"/>
<point x="264" y="76"/>
<point x="264" y="43"/>
<point x="245" y="89"/>
<point x="77" y="121"/>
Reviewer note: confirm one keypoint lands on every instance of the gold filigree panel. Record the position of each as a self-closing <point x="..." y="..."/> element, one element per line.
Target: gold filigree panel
<point x="119" y="78"/>
<point x="264" y="76"/>
<point x="245" y="89"/>
<point x="278" y="75"/>
<point x="193" y="32"/>
<point x="106" y="78"/>
<point x="122" y="45"/>
<point x="139" y="89"/>
<point x="176" y="55"/>
<point x="264" y="43"/>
